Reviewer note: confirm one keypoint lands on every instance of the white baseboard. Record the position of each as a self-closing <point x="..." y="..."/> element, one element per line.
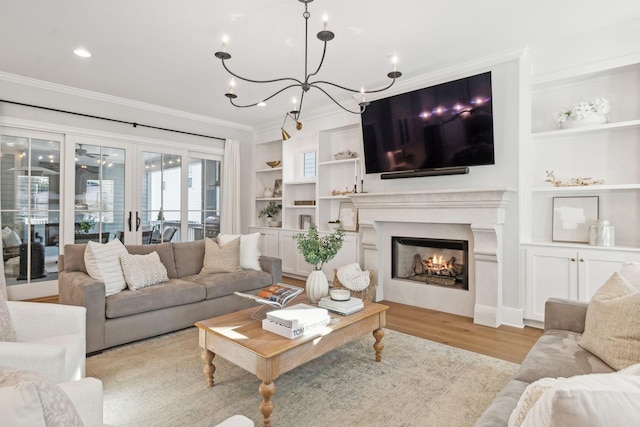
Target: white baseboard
<point x="513" y="317"/>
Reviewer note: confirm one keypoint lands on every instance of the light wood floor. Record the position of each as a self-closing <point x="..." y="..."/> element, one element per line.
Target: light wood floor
<point x="505" y="342"/>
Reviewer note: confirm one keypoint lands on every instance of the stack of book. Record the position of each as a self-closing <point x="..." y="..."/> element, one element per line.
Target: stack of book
<point x="341" y="307"/>
<point x="295" y="321"/>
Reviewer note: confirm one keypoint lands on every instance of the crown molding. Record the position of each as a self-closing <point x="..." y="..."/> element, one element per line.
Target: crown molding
<point x="125" y="102"/>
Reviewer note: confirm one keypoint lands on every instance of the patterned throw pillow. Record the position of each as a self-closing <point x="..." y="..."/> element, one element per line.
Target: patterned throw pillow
<point x="41" y="395"/>
<point x="221" y="258"/>
<point x="141" y="271"/>
<point x="103" y="263"/>
<point x="7" y="332"/>
<point x="612" y="324"/>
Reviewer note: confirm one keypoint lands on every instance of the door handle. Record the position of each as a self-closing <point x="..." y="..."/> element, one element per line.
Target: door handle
<point x="138" y="221"/>
<point x="129" y="220"/>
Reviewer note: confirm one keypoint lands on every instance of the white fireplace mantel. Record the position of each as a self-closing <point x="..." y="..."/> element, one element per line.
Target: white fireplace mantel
<point x="483" y="209"/>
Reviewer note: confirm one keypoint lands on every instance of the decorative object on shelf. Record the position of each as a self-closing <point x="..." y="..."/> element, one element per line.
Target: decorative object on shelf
<point x="269" y="211"/>
<point x="305" y="84"/>
<point x="573" y="182"/>
<point x="602" y="233"/>
<point x="304" y="202"/>
<point x="334" y="225"/>
<point x="268" y="192"/>
<point x="572" y="217"/>
<point x="304" y="222"/>
<point x="584" y="113"/>
<point x="346" y="154"/>
<point x="317" y="251"/>
<point x="348" y="216"/>
<point x="342" y="193"/>
<point x="277" y="188"/>
<point x="273" y="163"/>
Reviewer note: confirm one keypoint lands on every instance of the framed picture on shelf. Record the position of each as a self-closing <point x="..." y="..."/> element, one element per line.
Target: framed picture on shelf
<point x="277" y="188"/>
<point x="348" y="216"/>
<point x="572" y="217"/>
<point x="304" y="222"/>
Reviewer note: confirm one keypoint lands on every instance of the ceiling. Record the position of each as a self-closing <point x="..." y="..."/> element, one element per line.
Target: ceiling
<point x="161" y="51"/>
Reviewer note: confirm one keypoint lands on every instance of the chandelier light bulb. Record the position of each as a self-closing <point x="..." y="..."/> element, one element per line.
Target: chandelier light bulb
<point x="325" y="21"/>
<point x="394" y="61"/>
<point x="362" y="92"/>
<point x="232" y="85"/>
<point x="225" y="41"/>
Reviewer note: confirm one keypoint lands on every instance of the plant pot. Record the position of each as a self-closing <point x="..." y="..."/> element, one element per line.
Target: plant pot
<point x="317" y="286"/>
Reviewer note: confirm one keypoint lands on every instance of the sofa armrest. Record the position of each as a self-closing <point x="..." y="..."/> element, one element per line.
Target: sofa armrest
<point x="49" y="360"/>
<point x="34" y="321"/>
<point x="563" y="314"/>
<point x="78" y="288"/>
<point x="272" y="265"/>
<point x="86" y="395"/>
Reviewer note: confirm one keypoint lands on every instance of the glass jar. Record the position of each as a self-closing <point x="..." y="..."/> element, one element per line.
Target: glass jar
<point x="602" y="233"/>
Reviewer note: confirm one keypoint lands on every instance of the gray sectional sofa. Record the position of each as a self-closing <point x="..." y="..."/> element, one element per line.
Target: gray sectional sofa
<point x="555" y="354"/>
<point x="184" y="299"/>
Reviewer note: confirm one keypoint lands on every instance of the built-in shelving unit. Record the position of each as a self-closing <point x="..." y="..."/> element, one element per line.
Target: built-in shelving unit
<point x="607" y="152"/>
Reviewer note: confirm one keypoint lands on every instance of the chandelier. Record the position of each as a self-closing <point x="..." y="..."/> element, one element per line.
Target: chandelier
<point x="305" y="84"/>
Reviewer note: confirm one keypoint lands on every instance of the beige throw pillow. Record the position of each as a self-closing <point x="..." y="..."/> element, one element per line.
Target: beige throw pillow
<point x="141" y="271"/>
<point x="612" y="324"/>
<point x="221" y="258"/>
<point x="103" y="263"/>
<point x="249" y="249"/>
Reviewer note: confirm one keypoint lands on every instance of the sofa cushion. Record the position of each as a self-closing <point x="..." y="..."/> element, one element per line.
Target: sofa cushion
<point x="165" y="252"/>
<point x="74" y="257"/>
<point x="221" y="284"/>
<point x="103" y="263"/>
<point x="188" y="257"/>
<point x="44" y="400"/>
<point x="583" y="400"/>
<point x="171" y="293"/>
<point x="557" y="354"/>
<point x="249" y="249"/>
<point x="612" y="325"/>
<point x="10" y="237"/>
<point x="141" y="271"/>
<point x="221" y="258"/>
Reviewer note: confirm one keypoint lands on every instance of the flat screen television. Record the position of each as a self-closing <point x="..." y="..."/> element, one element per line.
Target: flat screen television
<point x="447" y="126"/>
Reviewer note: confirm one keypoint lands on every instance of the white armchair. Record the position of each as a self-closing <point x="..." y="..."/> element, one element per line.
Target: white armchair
<point x="50" y="339"/>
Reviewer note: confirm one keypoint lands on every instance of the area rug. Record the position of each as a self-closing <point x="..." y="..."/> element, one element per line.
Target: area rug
<point x="159" y="382"/>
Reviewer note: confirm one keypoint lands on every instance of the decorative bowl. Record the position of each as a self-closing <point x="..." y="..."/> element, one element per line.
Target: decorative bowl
<point x="273" y="163"/>
<point x="340" y="294"/>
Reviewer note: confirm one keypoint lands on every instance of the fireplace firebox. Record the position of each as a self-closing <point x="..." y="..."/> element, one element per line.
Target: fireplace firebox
<point x="439" y="262"/>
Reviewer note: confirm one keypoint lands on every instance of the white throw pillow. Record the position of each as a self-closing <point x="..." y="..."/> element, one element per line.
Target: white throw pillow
<point x="221" y="258"/>
<point x="249" y="249"/>
<point x="103" y="263"/>
<point x="7" y="331"/>
<point x="631" y="273"/>
<point x="141" y="271"/>
<point x="584" y="400"/>
<point x="10" y="237"/>
<point x="20" y="406"/>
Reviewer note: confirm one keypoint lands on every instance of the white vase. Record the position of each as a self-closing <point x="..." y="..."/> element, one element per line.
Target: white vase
<point x="317" y="286"/>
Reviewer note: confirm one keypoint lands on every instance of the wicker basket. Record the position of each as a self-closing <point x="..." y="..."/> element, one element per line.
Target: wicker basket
<point x="369" y="294"/>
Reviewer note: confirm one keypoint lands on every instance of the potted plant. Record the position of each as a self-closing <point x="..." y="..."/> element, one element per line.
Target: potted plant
<point x="86" y="225"/>
<point x="317" y="251"/>
<point x="269" y="211"/>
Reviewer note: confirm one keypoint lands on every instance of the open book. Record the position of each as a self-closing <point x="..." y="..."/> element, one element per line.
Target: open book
<point x="276" y="295"/>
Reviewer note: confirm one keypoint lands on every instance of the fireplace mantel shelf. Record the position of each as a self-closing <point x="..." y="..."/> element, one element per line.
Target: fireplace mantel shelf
<point x="493" y="197"/>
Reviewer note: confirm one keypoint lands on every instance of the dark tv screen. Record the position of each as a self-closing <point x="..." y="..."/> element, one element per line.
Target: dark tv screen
<point x="443" y="126"/>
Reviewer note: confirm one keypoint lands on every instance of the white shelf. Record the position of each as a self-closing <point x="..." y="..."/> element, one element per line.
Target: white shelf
<point x="586" y="188"/>
<point x="334" y="197"/>
<point x="300" y="206"/>
<point x="306" y="182"/>
<point x="553" y="134"/>
<point x="339" y="162"/>
<point x="550" y="244"/>
<point x="278" y="169"/>
<point x="269" y="199"/>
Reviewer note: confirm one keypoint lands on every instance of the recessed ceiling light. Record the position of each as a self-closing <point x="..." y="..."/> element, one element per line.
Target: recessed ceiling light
<point x="82" y="53"/>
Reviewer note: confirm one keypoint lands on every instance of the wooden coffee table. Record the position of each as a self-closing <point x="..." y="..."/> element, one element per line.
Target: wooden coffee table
<point x="242" y="341"/>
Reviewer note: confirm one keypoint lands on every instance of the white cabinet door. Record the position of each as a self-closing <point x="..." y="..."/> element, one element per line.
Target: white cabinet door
<point x="292" y="261"/>
<point x="551" y="273"/>
<point x="596" y="266"/>
<point x="269" y="241"/>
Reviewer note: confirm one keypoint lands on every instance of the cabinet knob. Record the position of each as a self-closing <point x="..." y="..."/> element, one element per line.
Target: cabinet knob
<point x="573" y="260"/>
<point x="581" y="259"/>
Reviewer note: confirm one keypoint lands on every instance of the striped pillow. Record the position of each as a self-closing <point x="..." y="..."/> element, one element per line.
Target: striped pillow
<point x="103" y="263"/>
<point x="141" y="271"/>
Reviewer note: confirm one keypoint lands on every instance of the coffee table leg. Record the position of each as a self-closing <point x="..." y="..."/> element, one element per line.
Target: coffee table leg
<point x="378" y="346"/>
<point x="209" y="368"/>
<point x="266" y="389"/>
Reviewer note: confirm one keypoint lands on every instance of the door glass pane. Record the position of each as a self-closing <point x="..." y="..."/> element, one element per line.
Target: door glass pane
<point x="204" y="198"/>
<point x="161" y="198"/>
<point x="99" y="193"/>
<point x="30" y="208"/>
